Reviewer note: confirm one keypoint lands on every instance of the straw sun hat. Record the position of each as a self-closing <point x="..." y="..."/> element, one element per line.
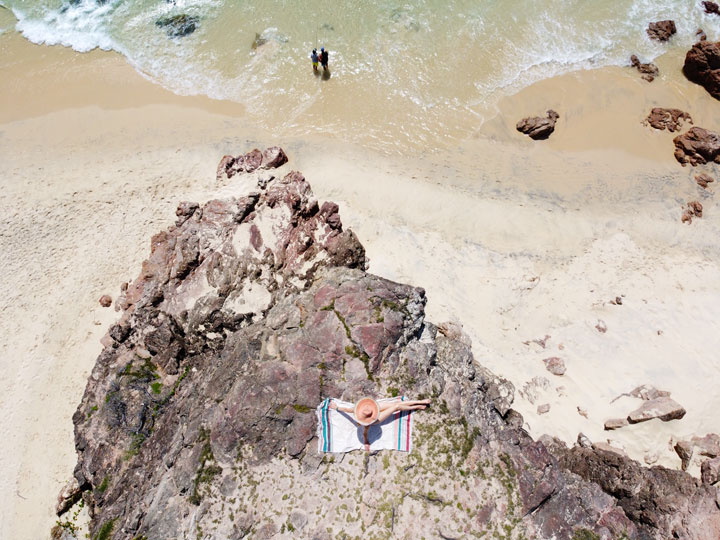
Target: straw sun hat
<point x="366" y="411"/>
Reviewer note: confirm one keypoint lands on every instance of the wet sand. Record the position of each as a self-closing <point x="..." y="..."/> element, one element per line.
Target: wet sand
<point x="516" y="239"/>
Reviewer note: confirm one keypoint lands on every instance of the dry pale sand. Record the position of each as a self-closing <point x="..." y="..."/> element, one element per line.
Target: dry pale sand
<point x="515" y="239"/>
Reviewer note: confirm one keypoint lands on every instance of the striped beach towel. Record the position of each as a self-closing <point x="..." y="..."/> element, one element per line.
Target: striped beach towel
<point x="337" y="431"/>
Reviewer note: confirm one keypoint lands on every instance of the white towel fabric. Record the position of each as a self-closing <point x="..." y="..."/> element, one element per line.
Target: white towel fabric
<point x="338" y="431"/>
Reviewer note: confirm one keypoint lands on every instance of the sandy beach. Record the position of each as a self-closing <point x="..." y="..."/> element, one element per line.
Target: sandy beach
<point x="515" y="239"/>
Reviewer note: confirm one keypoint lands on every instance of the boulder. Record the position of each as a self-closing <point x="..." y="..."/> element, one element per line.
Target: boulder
<point x="664" y="408"/>
<point x="555" y="365"/>
<point x="703" y="180"/>
<point x="649" y="71"/>
<point x="615" y="423"/>
<point x="702" y="66"/>
<point x="710" y="471"/>
<point x="178" y="25"/>
<point x="537" y="127"/>
<point x="711" y="7"/>
<point x="661" y="30"/>
<point x="670" y="119"/>
<point x="697" y="146"/>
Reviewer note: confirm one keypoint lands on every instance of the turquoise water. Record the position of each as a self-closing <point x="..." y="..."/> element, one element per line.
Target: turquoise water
<point x="418" y="72"/>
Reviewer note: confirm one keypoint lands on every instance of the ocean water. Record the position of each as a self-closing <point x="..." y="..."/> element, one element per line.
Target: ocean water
<point x="418" y="73"/>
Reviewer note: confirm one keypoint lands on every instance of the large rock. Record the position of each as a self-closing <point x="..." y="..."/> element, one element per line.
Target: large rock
<point x="648" y="71"/>
<point x="670" y="119"/>
<point x="702" y="66"/>
<point x="697" y="146"/>
<point x="664" y="408"/>
<point x="711" y="7"/>
<point x="710" y="471"/>
<point x="198" y="419"/>
<point x="537" y="127"/>
<point x="661" y="30"/>
<point x="178" y="25"/>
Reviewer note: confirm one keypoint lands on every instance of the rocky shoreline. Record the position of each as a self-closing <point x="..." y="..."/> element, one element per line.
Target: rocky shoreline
<point x="197" y="420"/>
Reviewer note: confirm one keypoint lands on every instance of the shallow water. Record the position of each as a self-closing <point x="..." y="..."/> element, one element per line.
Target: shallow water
<point x="420" y="74"/>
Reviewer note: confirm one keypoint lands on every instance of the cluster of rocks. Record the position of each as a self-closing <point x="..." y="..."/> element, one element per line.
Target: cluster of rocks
<point x="648" y="70"/>
<point x="661" y="30"/>
<point x="198" y="417"/>
<point x="692" y="210"/>
<point x="538" y="127"/>
<point x="656" y="404"/>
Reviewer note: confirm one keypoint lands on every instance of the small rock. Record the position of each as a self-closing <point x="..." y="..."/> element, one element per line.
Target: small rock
<point x="661" y="30"/>
<point x="561" y="391"/>
<point x="708" y="446"/>
<point x="601" y="326"/>
<point x="647" y="392"/>
<point x="703" y="180"/>
<point x="105" y="300"/>
<point x="670" y="119"/>
<point x="274" y="157"/>
<point x="711" y="7"/>
<point x="615" y="423"/>
<point x="532" y="389"/>
<point x="649" y="71"/>
<point x="684" y="450"/>
<point x="694" y="209"/>
<point x="701" y="35"/>
<point x="710" y="471"/>
<point x="555" y="365"/>
<point x="651" y="458"/>
<point x="664" y="408"/>
<point x="544" y="408"/>
<point x="606" y="447"/>
<point x="583" y="441"/>
<point x="582" y="412"/>
<point x="537" y="127"/>
<point x="178" y="25"/>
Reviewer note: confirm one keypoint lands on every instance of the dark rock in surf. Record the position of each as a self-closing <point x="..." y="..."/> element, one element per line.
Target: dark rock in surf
<point x="711" y="7"/>
<point x="178" y="25"/>
<point x="670" y="119"/>
<point x="537" y="127"/>
<point x="649" y="71"/>
<point x="661" y="30"/>
<point x="702" y="66"/>
<point x="697" y="146"/>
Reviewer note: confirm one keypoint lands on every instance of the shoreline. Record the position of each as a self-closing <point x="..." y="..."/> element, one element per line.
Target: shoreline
<point x="515" y="239"/>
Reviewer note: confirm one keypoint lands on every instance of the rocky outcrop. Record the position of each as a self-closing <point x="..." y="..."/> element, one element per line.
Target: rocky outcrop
<point x="670" y="119"/>
<point x="178" y="25"/>
<point x="697" y="146"/>
<point x="198" y="417"/>
<point x="649" y="71"/>
<point x="711" y="7"/>
<point x="661" y="30"/>
<point x="702" y="66"/>
<point x="537" y="127"/>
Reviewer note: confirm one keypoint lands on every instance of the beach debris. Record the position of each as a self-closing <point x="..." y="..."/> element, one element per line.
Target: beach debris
<point x="607" y="447"/>
<point x="670" y="119"/>
<point x="703" y="180"/>
<point x="582" y="411"/>
<point x="701" y="35"/>
<point x="617" y="301"/>
<point x="661" y="30"/>
<point x="532" y="389"/>
<point x="601" y="326"/>
<point x="537" y="127"/>
<point x="615" y="423"/>
<point x="540" y="341"/>
<point x="711" y="7"/>
<point x="700" y="66"/>
<point x="710" y="471"/>
<point x="649" y="71"/>
<point x="694" y="209"/>
<point x="105" y="300"/>
<point x="697" y="146"/>
<point x="555" y="365"/>
<point x="178" y="25"/>
<point x="583" y="441"/>
<point x="544" y="408"/>
<point x="664" y="408"/>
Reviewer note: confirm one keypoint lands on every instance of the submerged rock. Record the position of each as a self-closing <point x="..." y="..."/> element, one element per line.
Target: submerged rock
<point x="537" y="127"/>
<point x="199" y="415"/>
<point x="697" y="146"/>
<point x="178" y="25"/>
<point x="649" y="71"/>
<point x="661" y="30"/>
<point x="670" y="119"/>
<point x="702" y="66"/>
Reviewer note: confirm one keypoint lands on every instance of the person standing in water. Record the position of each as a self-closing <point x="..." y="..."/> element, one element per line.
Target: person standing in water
<point x="314" y="58"/>
<point x="324" y="57"/>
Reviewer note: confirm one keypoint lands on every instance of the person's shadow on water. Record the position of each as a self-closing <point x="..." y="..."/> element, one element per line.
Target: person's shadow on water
<point x="326" y="74"/>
